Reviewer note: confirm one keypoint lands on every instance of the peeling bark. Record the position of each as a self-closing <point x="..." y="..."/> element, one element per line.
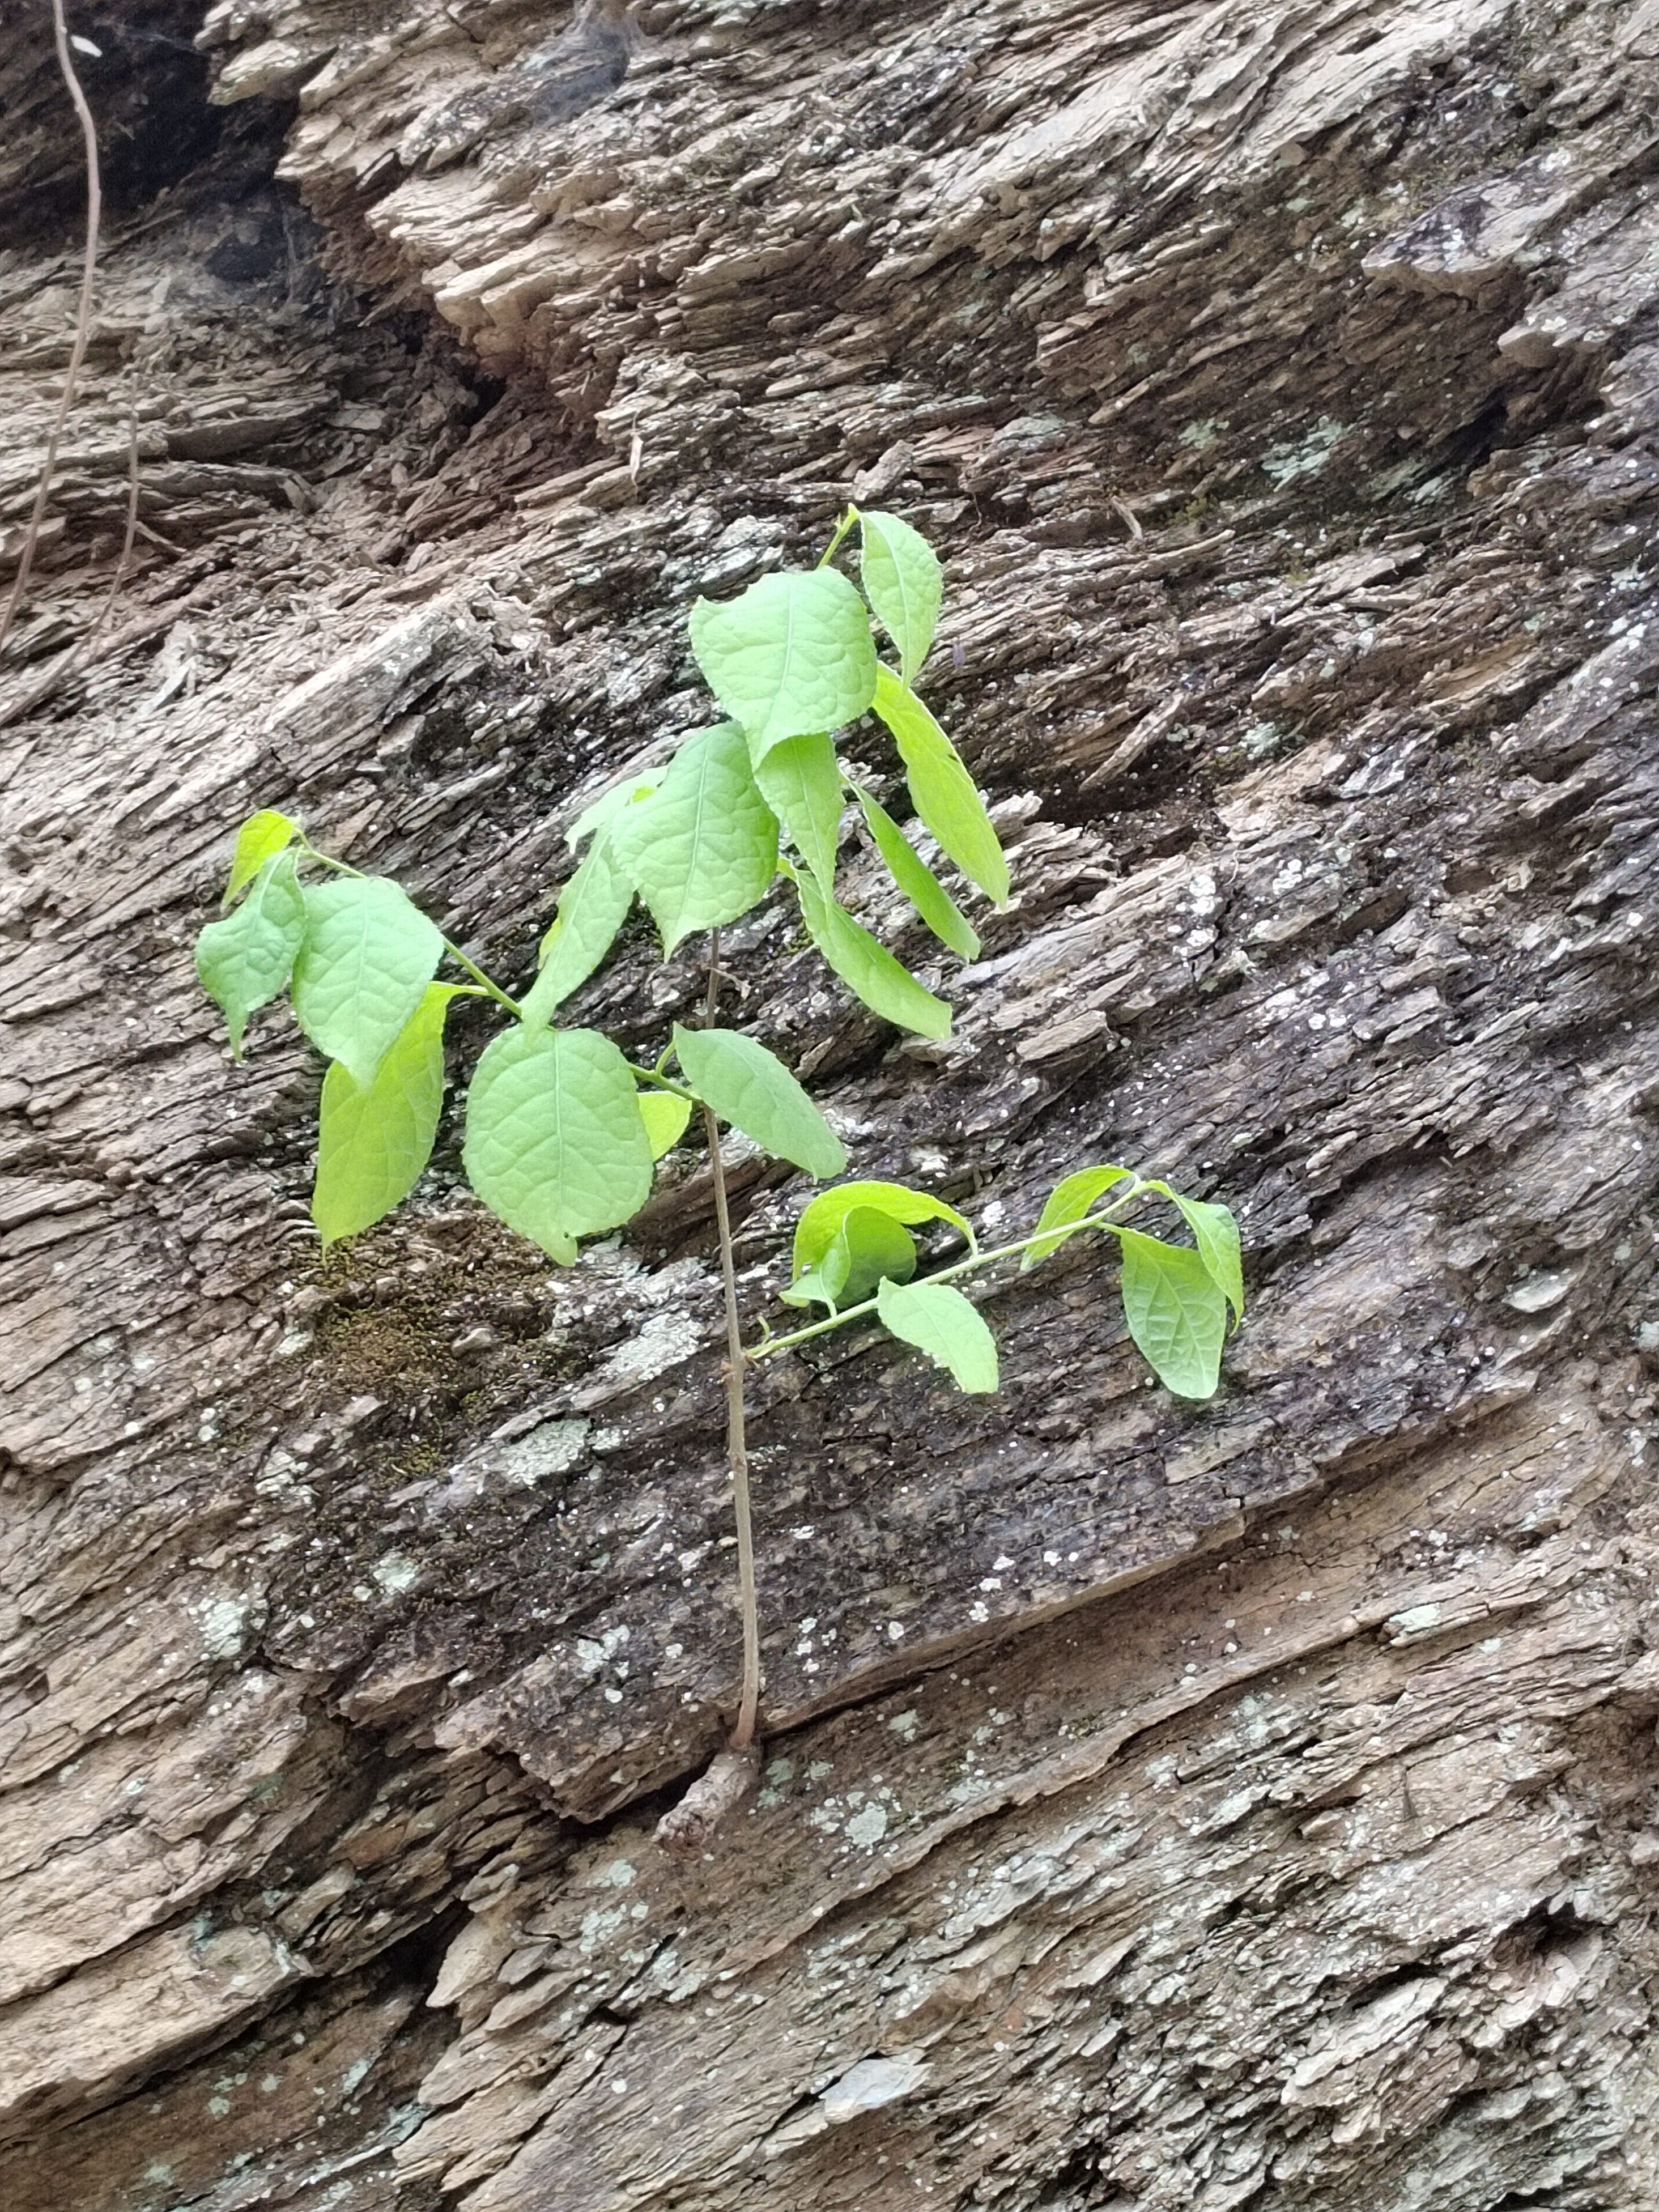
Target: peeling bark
<point x="1241" y="1805"/>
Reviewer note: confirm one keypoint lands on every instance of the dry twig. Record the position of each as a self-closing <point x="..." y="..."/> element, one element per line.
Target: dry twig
<point x="82" y="323"/>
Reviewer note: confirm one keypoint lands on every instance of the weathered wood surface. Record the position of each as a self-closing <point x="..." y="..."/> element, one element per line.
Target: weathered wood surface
<point x="1241" y="1806"/>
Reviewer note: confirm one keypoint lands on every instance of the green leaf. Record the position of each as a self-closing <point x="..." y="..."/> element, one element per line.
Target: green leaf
<point x="944" y="793"/>
<point x="867" y="968"/>
<point x="751" y="1088"/>
<point x="665" y="1117"/>
<point x="820" y="1223"/>
<point x="367" y="956"/>
<point x="867" y="1245"/>
<point x="1068" y="1202"/>
<point x="790" y="656"/>
<point x="904" y="584"/>
<point x="918" y="882"/>
<point x="260" y="838"/>
<point x="703" y="849"/>
<point x="800" y="782"/>
<point x="1216" y="1236"/>
<point x="944" y="1325"/>
<point x="1176" y="1312"/>
<point x="555" y="1143"/>
<point x="610" y="804"/>
<point x="592" y="906"/>
<point x="244" y="960"/>
<point x="372" y="1145"/>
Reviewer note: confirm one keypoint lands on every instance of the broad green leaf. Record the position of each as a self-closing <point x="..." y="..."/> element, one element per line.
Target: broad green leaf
<point x="703" y="849"/>
<point x="800" y="782"/>
<point x="1216" y="1234"/>
<point x="555" y="1143"/>
<point x="372" y="1145"/>
<point x="945" y="794"/>
<point x="1068" y="1202"/>
<point x="820" y="1222"/>
<point x="918" y="882"/>
<point x="244" y="960"/>
<point x="1176" y="1312"/>
<point x="867" y="1245"/>
<point x="610" y="804"/>
<point x="260" y="838"/>
<point x="665" y="1117"/>
<point x="592" y="906"/>
<point x="904" y="584"/>
<point x="367" y="956"/>
<point x="944" y="1325"/>
<point x="751" y="1088"/>
<point x="790" y="655"/>
<point x="866" y="967"/>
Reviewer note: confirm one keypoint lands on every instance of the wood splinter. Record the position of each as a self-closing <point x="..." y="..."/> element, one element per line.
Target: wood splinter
<point x="685" y="1829"/>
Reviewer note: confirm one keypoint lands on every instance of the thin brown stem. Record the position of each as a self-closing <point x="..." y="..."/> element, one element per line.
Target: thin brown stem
<point x="737" y="1452"/>
<point x="82" y="323"/>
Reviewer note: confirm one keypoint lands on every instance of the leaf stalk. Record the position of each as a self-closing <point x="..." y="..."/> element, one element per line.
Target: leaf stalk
<point x="979" y="1258"/>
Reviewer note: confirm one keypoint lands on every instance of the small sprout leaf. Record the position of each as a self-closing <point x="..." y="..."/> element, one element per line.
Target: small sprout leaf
<point x="944" y="1325"/>
<point x="800" y="782"/>
<point x="1216" y="1234"/>
<point x="665" y="1117"/>
<point x="555" y="1143"/>
<point x="866" y="1246"/>
<point x="592" y="906"/>
<point x="372" y="1145"/>
<point x="866" y="967"/>
<point x="260" y="838"/>
<point x="1067" y="1204"/>
<point x="368" y="954"/>
<point x="1176" y="1312"/>
<point x="244" y="960"/>
<point x="943" y="791"/>
<point x="610" y="804"/>
<point x="820" y="1224"/>
<point x="751" y="1088"/>
<point x="904" y="584"/>
<point x="703" y="849"/>
<point x="790" y="656"/>
<point x="918" y="882"/>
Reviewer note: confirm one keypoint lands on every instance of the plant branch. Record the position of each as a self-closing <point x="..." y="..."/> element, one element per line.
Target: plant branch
<point x="492" y="989"/>
<point x="966" y="1267"/>
<point x="843" y="530"/>
<point x="82" y="323"/>
<point x="658" y="1082"/>
<point x="736" y="1443"/>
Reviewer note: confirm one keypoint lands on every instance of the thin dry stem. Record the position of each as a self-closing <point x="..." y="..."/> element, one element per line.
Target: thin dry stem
<point x="736" y="1444"/>
<point x="82" y="323"/>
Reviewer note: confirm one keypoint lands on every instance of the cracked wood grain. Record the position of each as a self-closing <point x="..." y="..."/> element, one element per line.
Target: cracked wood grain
<point x="1241" y="1805"/>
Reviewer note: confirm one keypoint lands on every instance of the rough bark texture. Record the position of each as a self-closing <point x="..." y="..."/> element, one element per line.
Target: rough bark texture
<point x="1242" y="1805"/>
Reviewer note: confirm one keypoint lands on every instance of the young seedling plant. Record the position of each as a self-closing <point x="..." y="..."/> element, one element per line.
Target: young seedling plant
<point x="562" y="1130"/>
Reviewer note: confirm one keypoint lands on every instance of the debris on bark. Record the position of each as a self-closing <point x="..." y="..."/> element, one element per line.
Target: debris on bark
<point x="686" y="1830"/>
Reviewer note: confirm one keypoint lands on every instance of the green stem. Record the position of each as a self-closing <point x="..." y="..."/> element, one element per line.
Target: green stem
<point x="478" y="976"/>
<point x="843" y="530"/>
<point x="491" y="989"/>
<point x="975" y="1259"/>
<point x="663" y="1083"/>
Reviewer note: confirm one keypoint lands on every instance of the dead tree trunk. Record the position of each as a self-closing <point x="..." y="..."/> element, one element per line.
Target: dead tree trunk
<point x="1250" y="1805"/>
